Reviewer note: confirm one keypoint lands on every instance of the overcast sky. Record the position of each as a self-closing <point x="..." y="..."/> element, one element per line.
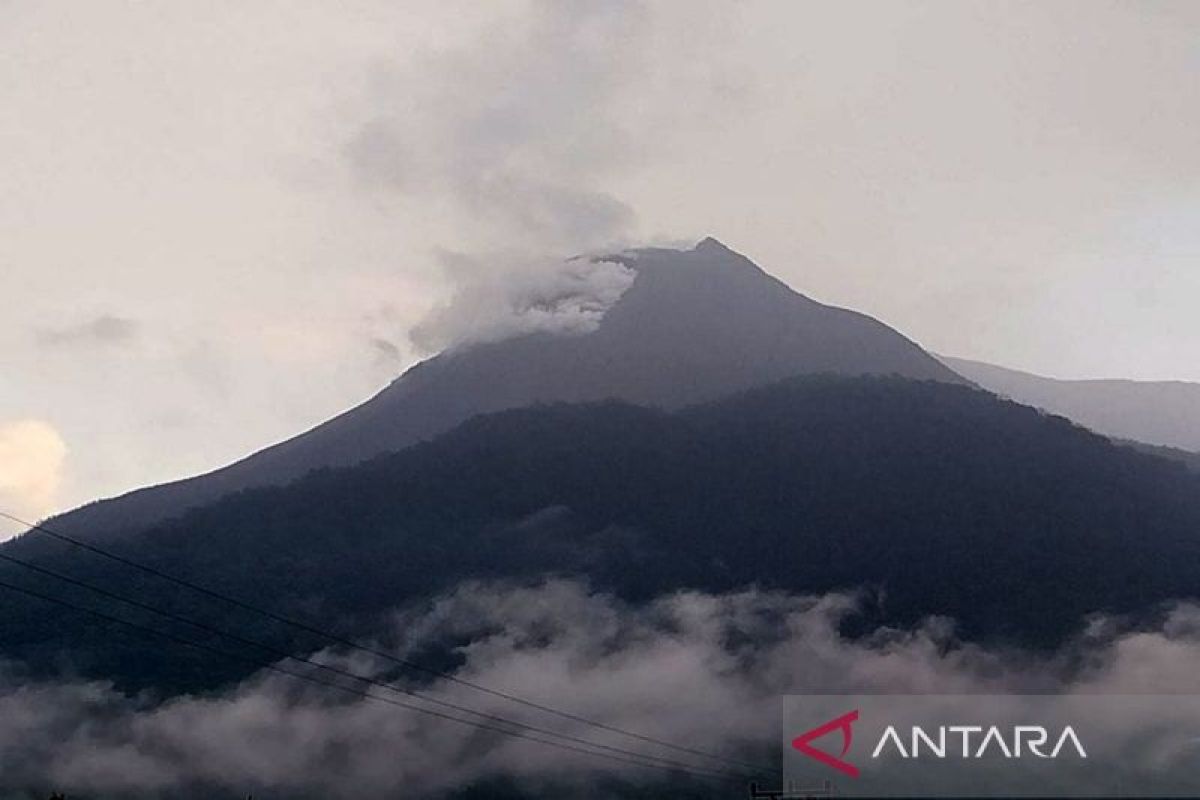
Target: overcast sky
<point x="220" y="223"/>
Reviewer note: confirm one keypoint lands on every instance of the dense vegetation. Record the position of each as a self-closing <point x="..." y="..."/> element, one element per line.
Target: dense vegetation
<point x="941" y="499"/>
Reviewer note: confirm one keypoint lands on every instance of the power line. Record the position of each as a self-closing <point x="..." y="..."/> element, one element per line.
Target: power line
<point x="283" y="654"/>
<point x="636" y="761"/>
<point x="336" y="639"/>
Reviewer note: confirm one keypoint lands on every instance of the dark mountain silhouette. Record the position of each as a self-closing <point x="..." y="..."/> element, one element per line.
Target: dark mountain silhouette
<point x="1162" y="413"/>
<point x="939" y="498"/>
<point x="694" y="326"/>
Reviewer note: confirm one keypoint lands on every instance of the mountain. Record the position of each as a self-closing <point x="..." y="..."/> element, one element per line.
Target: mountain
<point x="1188" y="458"/>
<point x="694" y="325"/>
<point x="1163" y="413"/>
<point x="936" y="498"/>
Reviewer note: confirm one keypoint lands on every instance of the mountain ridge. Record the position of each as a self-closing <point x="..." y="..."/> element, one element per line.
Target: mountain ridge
<point x="693" y="326"/>
<point x="1156" y="413"/>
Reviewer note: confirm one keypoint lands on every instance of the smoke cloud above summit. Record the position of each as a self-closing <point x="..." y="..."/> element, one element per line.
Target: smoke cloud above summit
<point x="520" y="136"/>
<point x="506" y="296"/>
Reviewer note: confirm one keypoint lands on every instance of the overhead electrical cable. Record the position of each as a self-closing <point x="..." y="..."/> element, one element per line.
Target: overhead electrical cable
<point x="637" y="759"/>
<point x="345" y="642"/>
<point x="283" y="654"/>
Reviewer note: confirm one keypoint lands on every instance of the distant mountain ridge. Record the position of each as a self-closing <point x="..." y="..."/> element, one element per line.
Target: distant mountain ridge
<point x="694" y="326"/>
<point x="1188" y="458"/>
<point x="1161" y="413"/>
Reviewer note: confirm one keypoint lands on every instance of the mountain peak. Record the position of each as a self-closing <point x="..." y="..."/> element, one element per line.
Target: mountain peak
<point x="708" y="256"/>
<point x="711" y="244"/>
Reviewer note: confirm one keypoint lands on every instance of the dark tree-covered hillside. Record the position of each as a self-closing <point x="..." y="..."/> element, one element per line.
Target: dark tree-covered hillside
<point x="940" y="499"/>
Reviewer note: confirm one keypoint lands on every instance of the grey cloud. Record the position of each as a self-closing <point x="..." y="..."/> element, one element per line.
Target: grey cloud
<point x="106" y="329"/>
<point x="374" y="153"/>
<point x="505" y="295"/>
<point x="668" y="670"/>
<point x="517" y="131"/>
<point x="385" y="351"/>
<point x="521" y="138"/>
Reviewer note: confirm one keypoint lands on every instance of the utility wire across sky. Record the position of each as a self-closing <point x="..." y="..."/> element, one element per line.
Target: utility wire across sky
<point x="283" y="654"/>
<point x="645" y="759"/>
<point x="636" y="759"/>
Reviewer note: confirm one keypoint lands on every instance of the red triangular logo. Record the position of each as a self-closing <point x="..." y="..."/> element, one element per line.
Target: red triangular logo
<point x="842" y="723"/>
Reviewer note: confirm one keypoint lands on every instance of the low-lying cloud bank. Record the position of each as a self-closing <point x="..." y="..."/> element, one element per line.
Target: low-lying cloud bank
<point x="699" y="670"/>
